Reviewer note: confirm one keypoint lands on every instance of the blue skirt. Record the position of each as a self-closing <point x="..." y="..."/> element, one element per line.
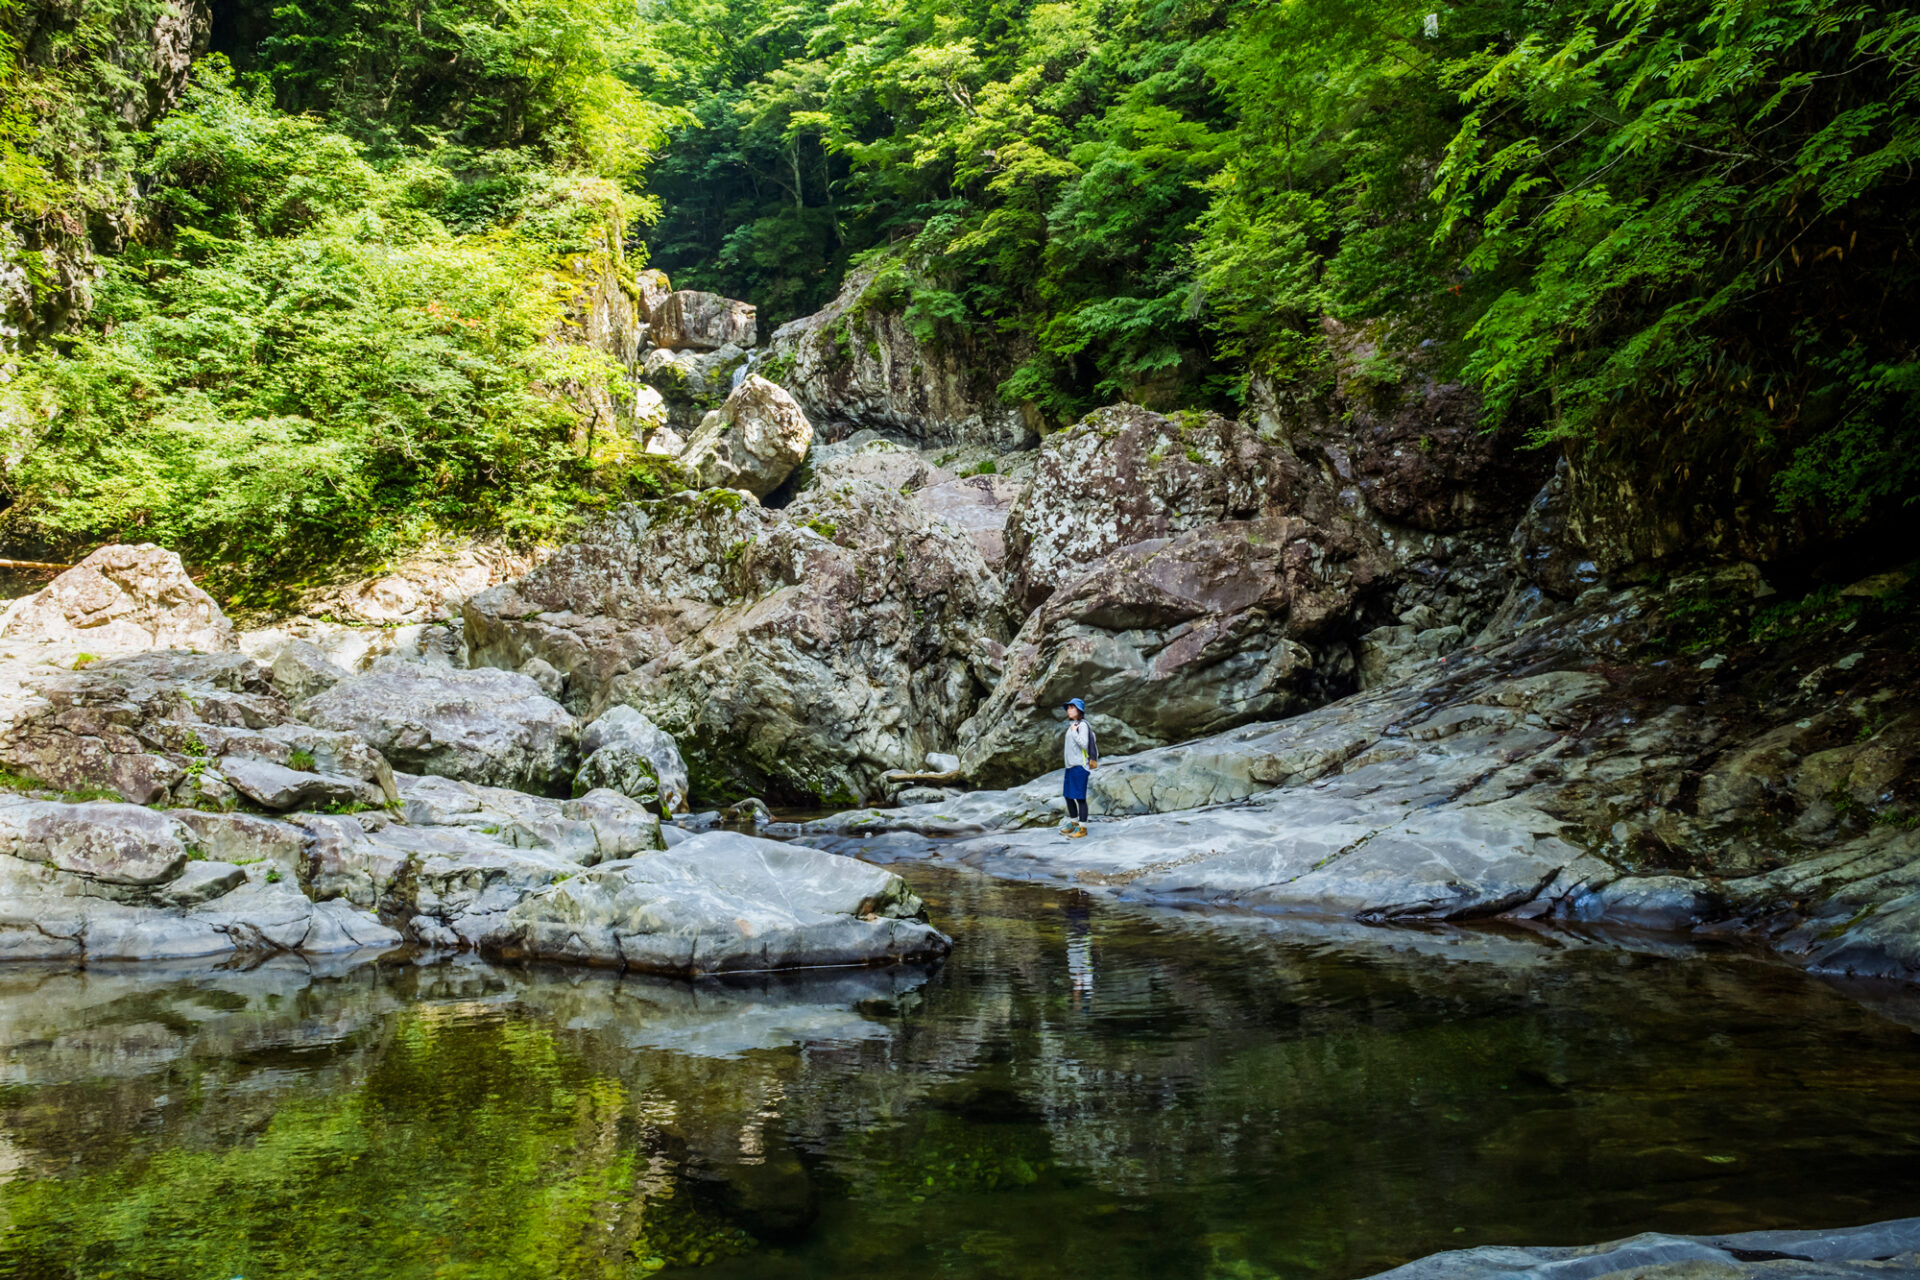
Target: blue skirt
<point x="1075" y="787"/>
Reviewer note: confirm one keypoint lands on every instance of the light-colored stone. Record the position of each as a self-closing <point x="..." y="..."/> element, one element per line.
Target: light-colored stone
<point x="626" y="752"/>
<point x="1882" y="1251"/>
<point x="121" y="599"/>
<point x="120" y="844"/>
<point x="722" y="903"/>
<point x="752" y="442"/>
<point x="427" y="584"/>
<point x="301" y="669"/>
<point x="274" y="786"/>
<point x="483" y="725"/>
<point x="687" y="319"/>
<point x="978" y="506"/>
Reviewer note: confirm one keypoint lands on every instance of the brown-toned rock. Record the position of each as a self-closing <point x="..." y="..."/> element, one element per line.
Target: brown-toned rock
<point x="1412" y="443"/>
<point x="1124" y="474"/>
<point x="688" y="320"/>
<point x="978" y="506"/>
<point x="1171" y="638"/>
<point x="121" y="599"/>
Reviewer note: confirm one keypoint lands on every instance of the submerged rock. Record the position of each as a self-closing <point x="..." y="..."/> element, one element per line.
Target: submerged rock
<point x="1886" y="1249"/>
<point x="722" y="903"/>
<point x="121" y="599"/>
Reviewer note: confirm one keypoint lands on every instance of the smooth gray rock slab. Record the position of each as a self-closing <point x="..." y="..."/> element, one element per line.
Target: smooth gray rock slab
<point x="497" y="728"/>
<point x="722" y="902"/>
<point x="121" y="844"/>
<point x="274" y="786"/>
<point x="201" y="882"/>
<point x="1886" y="1249"/>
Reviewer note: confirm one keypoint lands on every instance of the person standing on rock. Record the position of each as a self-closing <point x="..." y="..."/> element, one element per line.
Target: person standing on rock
<point x="1083" y="756"/>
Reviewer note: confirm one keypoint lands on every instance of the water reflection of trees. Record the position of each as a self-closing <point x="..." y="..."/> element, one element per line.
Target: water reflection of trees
<point x="1229" y="1098"/>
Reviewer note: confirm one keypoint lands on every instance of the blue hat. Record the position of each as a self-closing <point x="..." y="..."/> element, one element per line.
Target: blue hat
<point x="1075" y="702"/>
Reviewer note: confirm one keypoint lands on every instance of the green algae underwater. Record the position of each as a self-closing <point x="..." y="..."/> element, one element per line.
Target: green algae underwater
<point x="1083" y="1089"/>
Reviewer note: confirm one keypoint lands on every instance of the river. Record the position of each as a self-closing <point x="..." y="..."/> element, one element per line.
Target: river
<point x="1081" y="1090"/>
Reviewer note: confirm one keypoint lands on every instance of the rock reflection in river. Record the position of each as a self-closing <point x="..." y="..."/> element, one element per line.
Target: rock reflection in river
<point x="1241" y="1099"/>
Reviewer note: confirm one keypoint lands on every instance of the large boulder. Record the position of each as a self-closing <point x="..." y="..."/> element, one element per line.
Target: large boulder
<point x="121" y="599"/>
<point x="492" y="727"/>
<point x="624" y="751"/>
<point x="722" y="903"/>
<point x="156" y="726"/>
<point x="979" y="506"/>
<point x="106" y="881"/>
<point x="795" y="653"/>
<point x="120" y="844"/>
<point x="426" y="585"/>
<point x="1412" y="444"/>
<point x="1125" y="474"/>
<point x="1173" y="638"/>
<point x="466" y="854"/>
<point x="752" y="442"/>
<point x="688" y="320"/>
<point x="858" y="363"/>
<point x="688" y="384"/>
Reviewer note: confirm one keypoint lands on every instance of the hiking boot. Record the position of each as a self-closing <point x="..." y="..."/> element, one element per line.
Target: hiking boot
<point x="1076" y="833"/>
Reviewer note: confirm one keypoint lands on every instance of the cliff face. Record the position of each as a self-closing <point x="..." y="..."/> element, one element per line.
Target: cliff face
<point x="94" y="73"/>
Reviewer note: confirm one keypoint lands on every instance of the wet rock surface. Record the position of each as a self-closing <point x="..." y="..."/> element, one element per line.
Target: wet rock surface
<point x="1889" y="1249"/>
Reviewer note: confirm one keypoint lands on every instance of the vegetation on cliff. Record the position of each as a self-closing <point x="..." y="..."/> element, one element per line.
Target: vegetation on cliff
<point x="1680" y="231"/>
<point x="332" y="333"/>
<point x="1679" y="227"/>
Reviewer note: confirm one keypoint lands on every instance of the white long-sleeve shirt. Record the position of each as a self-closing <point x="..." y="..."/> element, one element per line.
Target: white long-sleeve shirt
<point x="1081" y="745"/>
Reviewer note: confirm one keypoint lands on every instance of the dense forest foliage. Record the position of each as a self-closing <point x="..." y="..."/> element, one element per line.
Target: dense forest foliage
<point x="1679" y="230"/>
<point x="1685" y="228"/>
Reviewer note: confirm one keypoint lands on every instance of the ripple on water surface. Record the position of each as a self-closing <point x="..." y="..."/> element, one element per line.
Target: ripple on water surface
<point x="1080" y="1090"/>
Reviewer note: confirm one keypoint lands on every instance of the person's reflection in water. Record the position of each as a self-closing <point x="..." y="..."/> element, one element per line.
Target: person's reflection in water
<point x="1079" y="908"/>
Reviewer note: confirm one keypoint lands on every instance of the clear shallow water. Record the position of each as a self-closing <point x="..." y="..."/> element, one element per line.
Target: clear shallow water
<point x="1079" y="1091"/>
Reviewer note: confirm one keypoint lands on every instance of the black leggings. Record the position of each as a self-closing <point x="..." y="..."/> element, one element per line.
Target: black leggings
<point x="1077" y="809"/>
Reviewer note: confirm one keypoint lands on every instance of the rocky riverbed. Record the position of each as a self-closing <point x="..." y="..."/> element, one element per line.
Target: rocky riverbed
<point x="1347" y="658"/>
<point x="1580" y="770"/>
